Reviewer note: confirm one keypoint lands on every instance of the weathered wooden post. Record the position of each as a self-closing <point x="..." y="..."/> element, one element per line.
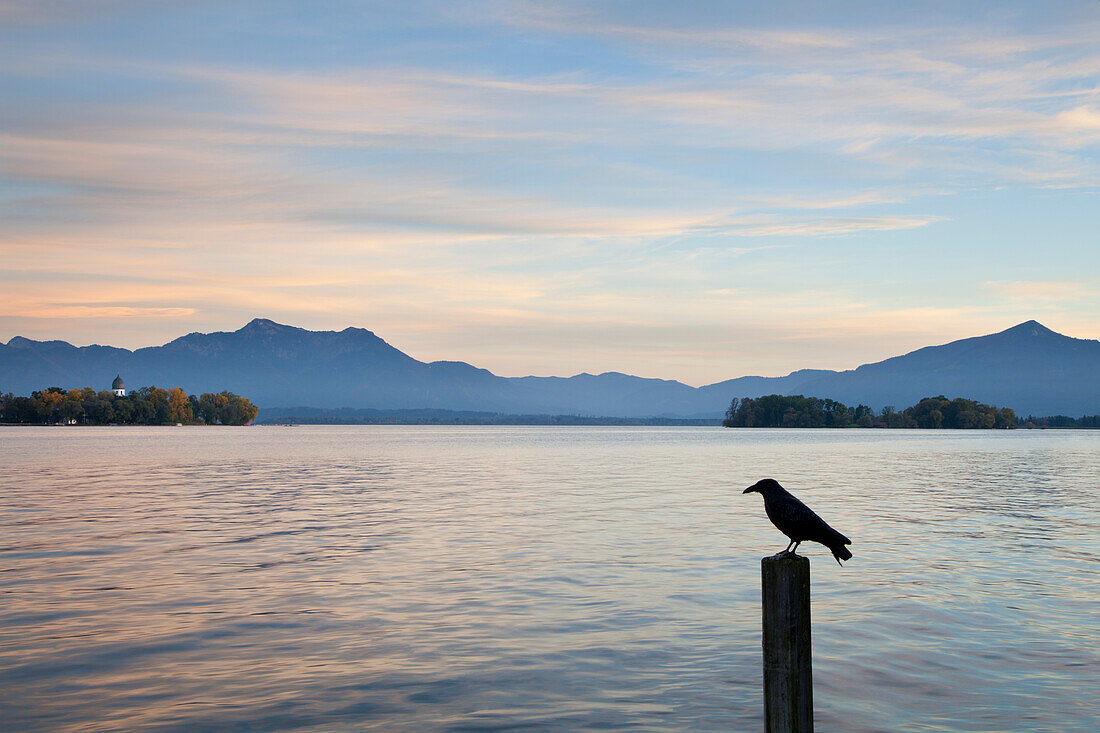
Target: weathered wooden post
<point x="788" y="679"/>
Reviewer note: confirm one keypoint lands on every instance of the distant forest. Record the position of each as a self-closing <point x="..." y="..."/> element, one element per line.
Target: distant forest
<point x="433" y="416"/>
<point x="797" y="411"/>
<point x="1061" y="421"/>
<point x="145" y="406"/>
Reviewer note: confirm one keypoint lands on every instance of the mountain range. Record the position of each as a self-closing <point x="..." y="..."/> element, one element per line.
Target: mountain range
<point x="1028" y="368"/>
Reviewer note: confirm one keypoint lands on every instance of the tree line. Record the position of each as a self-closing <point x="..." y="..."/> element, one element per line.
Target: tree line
<point x="1061" y="421"/>
<point x="797" y="411"/>
<point x="145" y="406"/>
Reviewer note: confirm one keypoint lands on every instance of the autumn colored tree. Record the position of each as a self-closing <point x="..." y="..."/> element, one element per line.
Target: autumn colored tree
<point x="179" y="407"/>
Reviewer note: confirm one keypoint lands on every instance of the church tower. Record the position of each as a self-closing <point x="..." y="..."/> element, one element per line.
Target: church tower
<point x="118" y="386"/>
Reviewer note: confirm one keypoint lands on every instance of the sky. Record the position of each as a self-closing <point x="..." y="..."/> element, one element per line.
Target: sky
<point x="689" y="190"/>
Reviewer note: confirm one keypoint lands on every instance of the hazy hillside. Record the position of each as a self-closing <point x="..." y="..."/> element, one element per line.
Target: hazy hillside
<point x="1029" y="368"/>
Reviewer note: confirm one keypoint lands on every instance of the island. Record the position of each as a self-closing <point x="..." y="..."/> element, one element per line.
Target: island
<point x="144" y="406"/>
<point x="798" y="411"/>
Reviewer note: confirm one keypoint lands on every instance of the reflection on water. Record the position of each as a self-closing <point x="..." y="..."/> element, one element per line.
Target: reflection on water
<point x="461" y="578"/>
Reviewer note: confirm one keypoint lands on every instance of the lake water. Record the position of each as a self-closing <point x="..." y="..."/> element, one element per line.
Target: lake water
<point x="526" y="578"/>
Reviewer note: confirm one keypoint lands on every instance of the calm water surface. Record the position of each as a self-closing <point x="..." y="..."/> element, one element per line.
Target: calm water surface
<point x="463" y="578"/>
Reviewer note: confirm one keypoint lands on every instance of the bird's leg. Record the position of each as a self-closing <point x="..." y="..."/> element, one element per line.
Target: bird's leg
<point x="794" y="550"/>
<point x="786" y="551"/>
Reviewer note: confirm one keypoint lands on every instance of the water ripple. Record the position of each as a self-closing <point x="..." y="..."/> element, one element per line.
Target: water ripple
<point x="464" y="578"/>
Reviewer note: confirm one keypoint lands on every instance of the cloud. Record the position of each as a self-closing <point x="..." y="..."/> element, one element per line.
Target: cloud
<point x="896" y="84"/>
<point x="54" y="11"/>
<point x="1080" y="120"/>
<point x="1045" y="292"/>
<point x="831" y="227"/>
<point x="807" y="203"/>
<point x="66" y="312"/>
<point x="626" y="180"/>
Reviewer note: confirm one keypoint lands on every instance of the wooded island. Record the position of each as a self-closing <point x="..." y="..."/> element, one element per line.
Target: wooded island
<point x="145" y="406"/>
<point x="797" y="411"/>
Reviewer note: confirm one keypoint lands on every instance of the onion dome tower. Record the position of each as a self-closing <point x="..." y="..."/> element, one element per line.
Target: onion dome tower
<point x="118" y="386"/>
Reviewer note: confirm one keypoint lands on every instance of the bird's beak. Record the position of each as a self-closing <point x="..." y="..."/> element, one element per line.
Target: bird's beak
<point x="747" y="491"/>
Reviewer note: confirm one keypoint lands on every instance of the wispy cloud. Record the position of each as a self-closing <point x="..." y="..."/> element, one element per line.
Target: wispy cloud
<point x="66" y="312"/>
<point x="885" y="86"/>
<point x="1046" y="292"/>
<point x="631" y="178"/>
<point x="830" y="227"/>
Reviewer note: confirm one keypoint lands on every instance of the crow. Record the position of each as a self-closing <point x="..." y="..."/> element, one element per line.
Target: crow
<point x="798" y="521"/>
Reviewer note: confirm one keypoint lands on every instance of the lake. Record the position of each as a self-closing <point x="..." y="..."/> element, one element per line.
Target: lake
<point x="538" y="578"/>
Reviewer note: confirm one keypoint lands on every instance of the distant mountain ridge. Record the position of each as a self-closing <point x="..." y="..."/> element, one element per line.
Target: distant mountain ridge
<point x="1027" y="367"/>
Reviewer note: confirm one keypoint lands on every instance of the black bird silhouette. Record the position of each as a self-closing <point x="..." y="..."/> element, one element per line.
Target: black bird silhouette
<point x="798" y="521"/>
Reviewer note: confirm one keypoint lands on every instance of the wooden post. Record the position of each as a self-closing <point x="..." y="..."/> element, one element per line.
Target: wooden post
<point x="788" y="679"/>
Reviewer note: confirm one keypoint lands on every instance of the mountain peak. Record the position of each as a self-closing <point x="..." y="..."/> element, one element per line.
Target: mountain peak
<point x="353" y="331"/>
<point x="264" y="325"/>
<point x="20" y="342"/>
<point x="1030" y="328"/>
<point x="1027" y="367"/>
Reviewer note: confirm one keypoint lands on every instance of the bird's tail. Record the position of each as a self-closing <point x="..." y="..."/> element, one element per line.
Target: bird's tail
<point x="840" y="552"/>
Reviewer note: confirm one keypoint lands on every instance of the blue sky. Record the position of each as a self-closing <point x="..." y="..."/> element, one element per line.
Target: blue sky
<point x="692" y="191"/>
